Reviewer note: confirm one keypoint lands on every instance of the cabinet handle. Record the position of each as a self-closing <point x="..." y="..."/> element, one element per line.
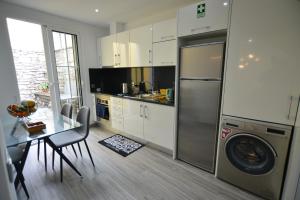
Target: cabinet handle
<point x="167" y="37"/>
<point x="150" y="56"/>
<point x="145" y="113"/>
<point x="290" y="107"/>
<point x="166" y="63"/>
<point x="141" y="113"/>
<point x="200" y="28"/>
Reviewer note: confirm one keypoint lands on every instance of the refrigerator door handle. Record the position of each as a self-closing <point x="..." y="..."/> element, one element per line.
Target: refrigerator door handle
<point x="200" y="78"/>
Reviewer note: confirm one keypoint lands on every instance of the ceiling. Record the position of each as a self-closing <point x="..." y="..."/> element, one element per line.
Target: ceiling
<point x="109" y="10"/>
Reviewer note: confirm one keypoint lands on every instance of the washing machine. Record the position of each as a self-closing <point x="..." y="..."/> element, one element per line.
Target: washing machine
<point x="253" y="155"/>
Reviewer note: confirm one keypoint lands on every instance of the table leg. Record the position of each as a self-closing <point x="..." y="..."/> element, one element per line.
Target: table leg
<point x="23" y="160"/>
<point x="51" y="144"/>
<point x="45" y="155"/>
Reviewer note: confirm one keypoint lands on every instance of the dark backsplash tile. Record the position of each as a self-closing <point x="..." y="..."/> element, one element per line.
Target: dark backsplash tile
<point x="109" y="80"/>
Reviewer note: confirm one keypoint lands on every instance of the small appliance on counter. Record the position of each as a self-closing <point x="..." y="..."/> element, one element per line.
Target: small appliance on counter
<point x="142" y="87"/>
<point x="170" y="94"/>
<point x="124" y="88"/>
<point x="135" y="88"/>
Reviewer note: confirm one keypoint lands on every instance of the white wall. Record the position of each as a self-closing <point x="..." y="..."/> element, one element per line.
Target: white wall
<point x="7" y="190"/>
<point x="87" y="35"/>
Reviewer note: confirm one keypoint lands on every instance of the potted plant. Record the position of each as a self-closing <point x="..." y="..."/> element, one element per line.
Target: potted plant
<point x="44" y="87"/>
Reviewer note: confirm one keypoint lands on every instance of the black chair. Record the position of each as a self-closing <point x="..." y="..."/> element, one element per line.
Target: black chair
<point x="67" y="112"/>
<point x="18" y="160"/>
<point x="74" y="136"/>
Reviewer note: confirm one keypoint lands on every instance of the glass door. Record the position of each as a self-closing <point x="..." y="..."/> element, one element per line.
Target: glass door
<point x="28" y="49"/>
<point x="47" y="66"/>
<point x="67" y="69"/>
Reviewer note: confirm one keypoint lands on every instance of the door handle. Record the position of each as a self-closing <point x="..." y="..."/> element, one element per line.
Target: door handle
<point x="167" y="37"/>
<point x="149" y="56"/>
<point x="141" y="113"/>
<point x="200" y="28"/>
<point x="290" y="107"/>
<point x="145" y="111"/>
<point x="115" y="60"/>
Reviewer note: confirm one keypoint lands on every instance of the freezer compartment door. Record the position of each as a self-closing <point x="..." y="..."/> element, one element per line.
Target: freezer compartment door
<point x="202" y="62"/>
<point x="199" y="104"/>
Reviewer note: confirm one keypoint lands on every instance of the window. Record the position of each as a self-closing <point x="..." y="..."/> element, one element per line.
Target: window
<point x="67" y="66"/>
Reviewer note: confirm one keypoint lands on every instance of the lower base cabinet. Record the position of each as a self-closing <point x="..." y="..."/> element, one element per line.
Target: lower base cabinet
<point x="133" y="118"/>
<point x="151" y="122"/>
<point x="159" y="125"/>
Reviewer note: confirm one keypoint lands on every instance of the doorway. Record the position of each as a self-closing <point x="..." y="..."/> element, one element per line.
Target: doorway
<point x="27" y="46"/>
<point x="47" y="66"/>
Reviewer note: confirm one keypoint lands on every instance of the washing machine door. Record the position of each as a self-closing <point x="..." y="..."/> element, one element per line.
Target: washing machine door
<point x="250" y="154"/>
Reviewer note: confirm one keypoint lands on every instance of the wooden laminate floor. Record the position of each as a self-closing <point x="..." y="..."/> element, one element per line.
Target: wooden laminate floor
<point x="146" y="174"/>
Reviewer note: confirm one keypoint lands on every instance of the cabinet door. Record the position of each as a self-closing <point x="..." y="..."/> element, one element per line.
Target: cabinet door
<point x="123" y="49"/>
<point x="141" y="46"/>
<point x="165" y="30"/>
<point x="108" y="51"/>
<point x="133" y="118"/>
<point x="159" y="123"/>
<point x="262" y="76"/>
<point x="205" y="16"/>
<point x="164" y="53"/>
<point x="116" y="112"/>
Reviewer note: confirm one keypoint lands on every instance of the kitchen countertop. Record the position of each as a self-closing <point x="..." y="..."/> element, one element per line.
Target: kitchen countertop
<point x="143" y="99"/>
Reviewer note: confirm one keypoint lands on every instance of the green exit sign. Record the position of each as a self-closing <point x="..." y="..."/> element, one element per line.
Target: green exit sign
<point x="201" y="10"/>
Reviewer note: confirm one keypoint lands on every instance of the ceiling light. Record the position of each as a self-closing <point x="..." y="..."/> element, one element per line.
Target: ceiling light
<point x="96" y="10"/>
<point x="250" y="56"/>
<point x="250" y="40"/>
<point x="225" y="3"/>
<point x="241" y="66"/>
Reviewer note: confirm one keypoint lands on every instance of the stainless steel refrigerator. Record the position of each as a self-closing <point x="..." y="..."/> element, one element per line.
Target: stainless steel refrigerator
<point x="200" y="82"/>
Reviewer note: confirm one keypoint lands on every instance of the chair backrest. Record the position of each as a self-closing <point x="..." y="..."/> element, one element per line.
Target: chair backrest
<point x="66" y="110"/>
<point x="83" y="117"/>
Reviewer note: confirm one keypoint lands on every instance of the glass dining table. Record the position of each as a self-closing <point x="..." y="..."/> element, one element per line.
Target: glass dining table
<point x="16" y="133"/>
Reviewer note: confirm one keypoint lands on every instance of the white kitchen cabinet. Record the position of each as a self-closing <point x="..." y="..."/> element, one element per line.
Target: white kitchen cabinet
<point x="141" y="46"/>
<point x="159" y="124"/>
<point x="122" y="59"/>
<point x="165" y="30"/>
<point x="215" y="17"/>
<point x="165" y="53"/>
<point x="133" y="118"/>
<point x="262" y="73"/>
<point x="116" y="113"/>
<point x="108" y="51"/>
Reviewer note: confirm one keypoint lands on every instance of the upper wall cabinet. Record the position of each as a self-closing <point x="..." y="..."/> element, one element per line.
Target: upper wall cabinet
<point x="262" y="76"/>
<point x="115" y="50"/>
<point x="141" y="46"/>
<point x="122" y="58"/>
<point x="108" y="50"/>
<point x="205" y="16"/>
<point x="165" y="30"/>
<point x="164" y="53"/>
